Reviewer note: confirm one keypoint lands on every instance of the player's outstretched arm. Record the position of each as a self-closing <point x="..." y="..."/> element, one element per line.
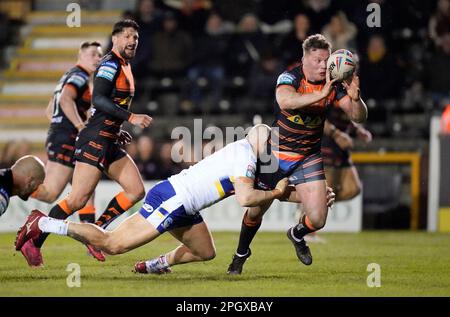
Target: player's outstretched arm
<point x="248" y="196"/>
<point x="288" y="98"/>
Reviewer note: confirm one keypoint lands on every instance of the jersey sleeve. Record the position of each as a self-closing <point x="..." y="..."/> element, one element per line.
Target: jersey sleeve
<point x="104" y="83"/>
<point x="245" y="163"/>
<point x="78" y="81"/>
<point x="288" y="78"/>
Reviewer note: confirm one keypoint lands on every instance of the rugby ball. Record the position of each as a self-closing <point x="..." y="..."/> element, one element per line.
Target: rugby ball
<point x="341" y="64"/>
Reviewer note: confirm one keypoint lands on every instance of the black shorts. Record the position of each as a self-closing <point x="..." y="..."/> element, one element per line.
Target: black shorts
<point x="307" y="170"/>
<point x="99" y="152"/>
<point x="333" y="155"/>
<point x="60" y="147"/>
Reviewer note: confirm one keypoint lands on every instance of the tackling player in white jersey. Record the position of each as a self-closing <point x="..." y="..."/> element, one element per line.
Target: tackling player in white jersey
<point x="173" y="205"/>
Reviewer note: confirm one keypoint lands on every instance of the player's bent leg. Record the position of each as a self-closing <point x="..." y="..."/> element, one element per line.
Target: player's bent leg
<point x="57" y="176"/>
<point x="85" y="179"/>
<point x="198" y="245"/>
<point x="314" y="200"/>
<point x="132" y="233"/>
<point x="350" y="184"/>
<point x="251" y="223"/>
<point x="124" y="172"/>
<point x="313" y="197"/>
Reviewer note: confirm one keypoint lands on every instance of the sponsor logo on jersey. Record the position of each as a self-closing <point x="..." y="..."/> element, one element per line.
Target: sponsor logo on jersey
<point x="147" y="207"/>
<point x="250" y="171"/>
<point x="77" y="80"/>
<point x="285" y="79"/>
<point x="107" y="70"/>
<point x="307" y="121"/>
<point x="166" y="224"/>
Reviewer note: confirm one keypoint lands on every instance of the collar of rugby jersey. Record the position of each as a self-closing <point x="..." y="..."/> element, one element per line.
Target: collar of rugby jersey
<point x="122" y="60"/>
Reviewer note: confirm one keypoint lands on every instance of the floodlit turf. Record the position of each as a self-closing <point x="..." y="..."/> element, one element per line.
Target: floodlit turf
<point x="412" y="264"/>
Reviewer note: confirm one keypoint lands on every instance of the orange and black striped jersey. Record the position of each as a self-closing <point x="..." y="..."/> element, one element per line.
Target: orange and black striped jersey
<point x="112" y="95"/>
<point x="78" y="79"/>
<point x="301" y="130"/>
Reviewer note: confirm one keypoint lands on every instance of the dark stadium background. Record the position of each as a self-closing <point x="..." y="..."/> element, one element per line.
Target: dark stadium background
<point x="219" y="60"/>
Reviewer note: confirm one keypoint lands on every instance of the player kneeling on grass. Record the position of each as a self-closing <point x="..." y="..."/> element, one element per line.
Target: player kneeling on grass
<point x="173" y="205"/>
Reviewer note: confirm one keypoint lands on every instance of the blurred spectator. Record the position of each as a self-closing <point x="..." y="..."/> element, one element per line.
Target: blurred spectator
<point x="132" y="149"/>
<point x="171" y="49"/>
<point x="246" y="46"/>
<point x="340" y="32"/>
<point x="192" y="14"/>
<point x="146" y="161"/>
<point x="356" y="12"/>
<point x="319" y="13"/>
<point x="291" y="45"/>
<point x="273" y="12"/>
<point x="439" y="23"/>
<point x="379" y="71"/>
<point x="263" y="78"/>
<point x="149" y="19"/>
<point x="234" y="10"/>
<point x="167" y="166"/>
<point x="437" y="72"/>
<point x="208" y="69"/>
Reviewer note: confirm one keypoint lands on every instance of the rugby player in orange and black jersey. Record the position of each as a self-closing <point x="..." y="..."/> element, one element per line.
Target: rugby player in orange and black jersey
<point x="98" y="146"/>
<point x="303" y="94"/>
<point x="60" y="142"/>
<point x="68" y="109"/>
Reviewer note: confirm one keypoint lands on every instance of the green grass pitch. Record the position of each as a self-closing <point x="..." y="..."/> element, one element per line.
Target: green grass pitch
<point x="412" y="264"/>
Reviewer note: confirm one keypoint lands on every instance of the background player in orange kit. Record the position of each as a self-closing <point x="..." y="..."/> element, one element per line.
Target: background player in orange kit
<point x="68" y="112"/>
<point x="97" y="149"/>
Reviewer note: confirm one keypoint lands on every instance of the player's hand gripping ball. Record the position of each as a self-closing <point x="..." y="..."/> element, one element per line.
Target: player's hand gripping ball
<point x="341" y="65"/>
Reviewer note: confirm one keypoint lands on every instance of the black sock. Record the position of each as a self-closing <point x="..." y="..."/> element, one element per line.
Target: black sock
<point x="248" y="232"/>
<point x="87" y="218"/>
<point x="301" y="229"/>
<point x="56" y="212"/>
<point x="113" y="210"/>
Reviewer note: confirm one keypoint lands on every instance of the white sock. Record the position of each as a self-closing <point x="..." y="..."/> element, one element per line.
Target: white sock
<point x="51" y="225"/>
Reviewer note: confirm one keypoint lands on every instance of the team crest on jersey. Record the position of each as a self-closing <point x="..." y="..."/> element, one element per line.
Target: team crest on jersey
<point x="307" y="121"/>
<point x="250" y="171"/>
